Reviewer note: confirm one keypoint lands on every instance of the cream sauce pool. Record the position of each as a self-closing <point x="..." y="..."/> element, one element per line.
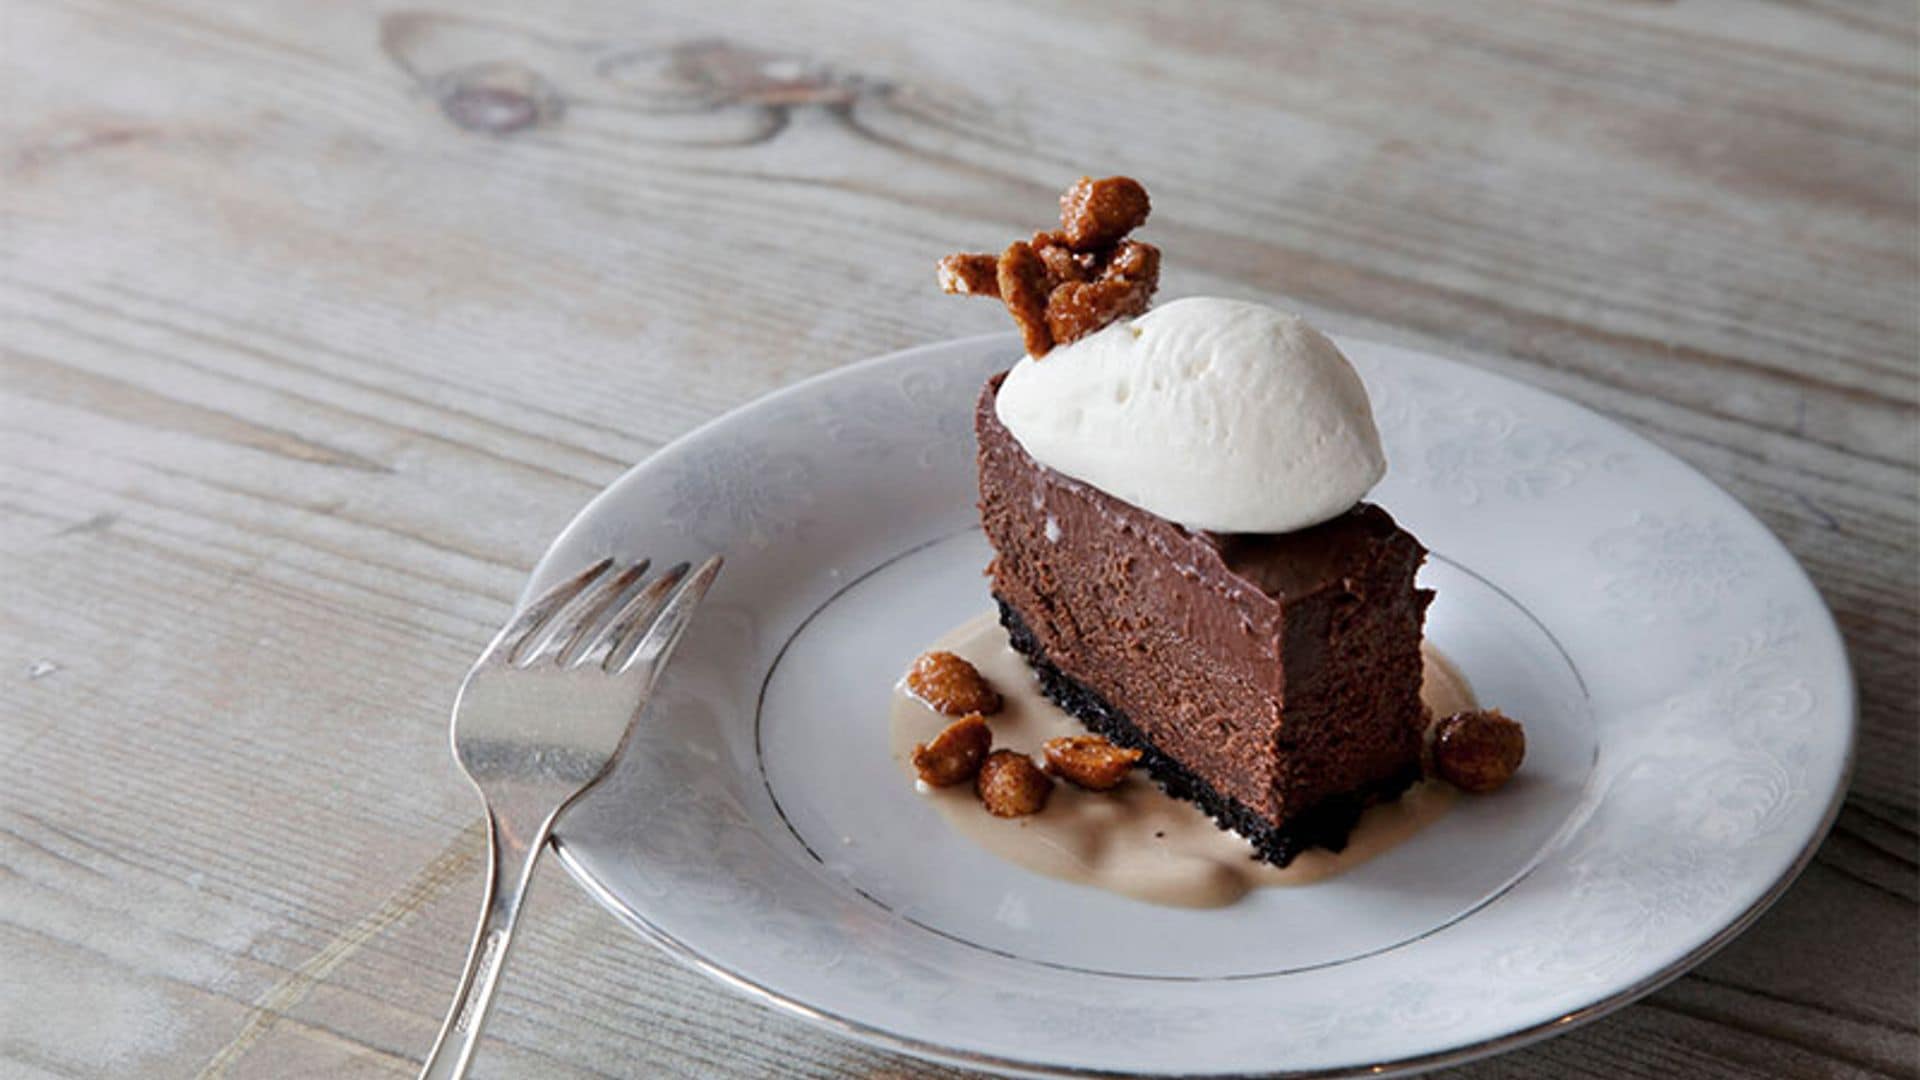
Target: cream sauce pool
<point x="1135" y="839"/>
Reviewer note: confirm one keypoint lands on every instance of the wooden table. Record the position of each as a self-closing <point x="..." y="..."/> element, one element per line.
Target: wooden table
<point x="320" y="320"/>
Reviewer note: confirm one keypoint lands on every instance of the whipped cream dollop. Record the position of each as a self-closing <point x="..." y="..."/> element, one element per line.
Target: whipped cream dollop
<point x="1217" y="414"/>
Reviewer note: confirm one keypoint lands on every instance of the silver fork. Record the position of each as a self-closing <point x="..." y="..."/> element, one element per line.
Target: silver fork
<point x="539" y="720"/>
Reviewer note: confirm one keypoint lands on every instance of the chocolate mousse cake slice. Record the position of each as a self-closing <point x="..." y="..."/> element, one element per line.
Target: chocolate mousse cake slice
<point x="1272" y="679"/>
<point x="1265" y="655"/>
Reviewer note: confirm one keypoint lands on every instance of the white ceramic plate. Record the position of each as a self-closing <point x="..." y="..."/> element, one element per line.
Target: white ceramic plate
<point x="1688" y="706"/>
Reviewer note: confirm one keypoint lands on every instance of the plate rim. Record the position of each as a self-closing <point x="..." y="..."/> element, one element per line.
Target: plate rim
<point x="876" y="1036"/>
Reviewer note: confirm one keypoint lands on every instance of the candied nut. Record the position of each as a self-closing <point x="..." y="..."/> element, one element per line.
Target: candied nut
<point x="1076" y="310"/>
<point x="951" y="685"/>
<point x="1062" y="264"/>
<point x="1134" y="261"/>
<point x="1024" y="289"/>
<point x="1011" y="785"/>
<point x="970" y="274"/>
<point x="1069" y="282"/>
<point x="1096" y="213"/>
<point x="1478" y="750"/>
<point x="955" y="754"/>
<point x="1089" y="761"/>
<point x="1122" y="290"/>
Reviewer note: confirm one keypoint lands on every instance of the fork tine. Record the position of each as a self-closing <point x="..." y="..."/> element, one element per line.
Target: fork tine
<point x="593" y="622"/>
<point x="659" y="640"/>
<point x="536" y="614"/>
<point x="582" y="609"/>
<point x="637" y="613"/>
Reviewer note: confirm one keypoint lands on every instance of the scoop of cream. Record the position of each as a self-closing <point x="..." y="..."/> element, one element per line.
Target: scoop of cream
<point x="1218" y="414"/>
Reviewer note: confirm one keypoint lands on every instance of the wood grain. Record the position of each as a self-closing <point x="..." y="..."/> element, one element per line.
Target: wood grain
<point x="319" y="322"/>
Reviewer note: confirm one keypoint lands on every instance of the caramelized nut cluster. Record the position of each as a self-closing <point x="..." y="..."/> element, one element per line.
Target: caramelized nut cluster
<point x="1011" y="785"/>
<point x="1100" y="213"/>
<point x="1065" y="284"/>
<point x="951" y="685"/>
<point x="1089" y="761"/>
<point x="955" y="754"/>
<point x="1478" y="750"/>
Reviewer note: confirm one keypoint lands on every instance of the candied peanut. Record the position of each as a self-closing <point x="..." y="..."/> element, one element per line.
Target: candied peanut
<point x="1089" y="761"/>
<point x="951" y="685"/>
<point x="955" y="754"/>
<point x="1076" y="310"/>
<point x="1061" y="263"/>
<point x="1122" y="287"/>
<point x="1011" y="785"/>
<point x="1096" y="213"/>
<point x="1134" y="261"/>
<point x="1024" y="289"/>
<point x="970" y="274"/>
<point x="1478" y="750"/>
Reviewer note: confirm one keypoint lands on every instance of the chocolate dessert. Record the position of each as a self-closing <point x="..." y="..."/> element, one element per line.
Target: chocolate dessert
<point x="1182" y="550"/>
<point x="1272" y="679"/>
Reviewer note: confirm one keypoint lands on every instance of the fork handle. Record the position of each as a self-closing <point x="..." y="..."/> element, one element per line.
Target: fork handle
<point x="510" y="861"/>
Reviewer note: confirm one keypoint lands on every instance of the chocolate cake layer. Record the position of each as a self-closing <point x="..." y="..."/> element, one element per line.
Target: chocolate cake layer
<point x="1326" y="824"/>
<point x="1276" y="677"/>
